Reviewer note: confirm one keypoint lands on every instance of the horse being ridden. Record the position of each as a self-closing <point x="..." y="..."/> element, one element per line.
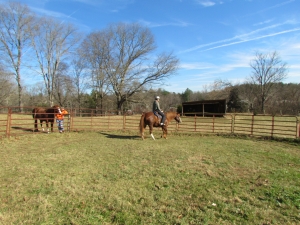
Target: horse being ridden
<point x="46" y="115"/>
<point x="149" y="119"/>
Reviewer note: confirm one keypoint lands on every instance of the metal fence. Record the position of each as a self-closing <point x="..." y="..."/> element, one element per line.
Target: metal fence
<point x="15" y="123"/>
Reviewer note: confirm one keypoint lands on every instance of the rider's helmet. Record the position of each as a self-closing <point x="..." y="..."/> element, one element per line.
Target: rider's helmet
<point x="157" y="97"/>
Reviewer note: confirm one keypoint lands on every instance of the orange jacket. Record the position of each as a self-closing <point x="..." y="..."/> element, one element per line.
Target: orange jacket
<point x="60" y="116"/>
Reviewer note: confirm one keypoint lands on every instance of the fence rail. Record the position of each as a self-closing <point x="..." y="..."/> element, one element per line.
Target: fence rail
<point x="14" y="123"/>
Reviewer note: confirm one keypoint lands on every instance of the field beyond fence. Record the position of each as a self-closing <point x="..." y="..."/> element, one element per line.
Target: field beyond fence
<point x="14" y="123"/>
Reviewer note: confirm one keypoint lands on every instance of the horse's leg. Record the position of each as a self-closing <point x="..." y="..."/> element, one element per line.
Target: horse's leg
<point x="36" y="128"/>
<point x="164" y="129"/>
<point x="52" y="122"/>
<point x="41" y="124"/>
<point x="142" y="132"/>
<point x="47" y="125"/>
<point x="150" y="130"/>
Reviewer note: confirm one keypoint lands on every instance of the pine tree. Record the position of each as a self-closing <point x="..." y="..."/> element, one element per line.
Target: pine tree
<point x="234" y="102"/>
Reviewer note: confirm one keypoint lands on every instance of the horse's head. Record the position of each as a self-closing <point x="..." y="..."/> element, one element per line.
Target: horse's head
<point x="178" y="118"/>
<point x="55" y="108"/>
<point x="52" y="111"/>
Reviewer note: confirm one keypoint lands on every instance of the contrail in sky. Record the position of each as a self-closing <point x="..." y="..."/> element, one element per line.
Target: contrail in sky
<point x="69" y="16"/>
<point x="238" y="37"/>
<point x="252" y="39"/>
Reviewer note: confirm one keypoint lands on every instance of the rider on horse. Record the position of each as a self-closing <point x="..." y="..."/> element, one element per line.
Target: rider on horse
<point x="156" y="110"/>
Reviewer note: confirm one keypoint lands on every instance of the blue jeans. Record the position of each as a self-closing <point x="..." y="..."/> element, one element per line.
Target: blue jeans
<point x="60" y="125"/>
<point x="163" y="117"/>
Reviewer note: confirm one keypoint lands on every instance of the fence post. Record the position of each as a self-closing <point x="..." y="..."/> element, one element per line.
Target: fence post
<point x="213" y="125"/>
<point x="252" y="124"/>
<point x="8" y="122"/>
<point x="92" y="113"/>
<point x="69" y="122"/>
<point x="232" y="123"/>
<point x="124" y="121"/>
<point x="272" y="128"/>
<point x="72" y="113"/>
<point x="297" y="128"/>
<point x="195" y="125"/>
<point x="108" y="120"/>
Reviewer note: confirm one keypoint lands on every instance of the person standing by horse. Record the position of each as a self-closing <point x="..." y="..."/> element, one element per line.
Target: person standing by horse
<point x="60" y="119"/>
<point x="156" y="110"/>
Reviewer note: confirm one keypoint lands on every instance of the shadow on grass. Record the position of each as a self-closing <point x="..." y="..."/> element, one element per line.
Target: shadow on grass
<point x="23" y="129"/>
<point x="30" y="130"/>
<point x="119" y="136"/>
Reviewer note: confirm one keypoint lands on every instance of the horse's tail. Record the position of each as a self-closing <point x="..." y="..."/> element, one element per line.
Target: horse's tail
<point x="142" y="124"/>
<point x="33" y="113"/>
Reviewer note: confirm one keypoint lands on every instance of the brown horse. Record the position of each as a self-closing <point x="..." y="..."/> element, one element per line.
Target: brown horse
<point x="46" y="115"/>
<point x="148" y="118"/>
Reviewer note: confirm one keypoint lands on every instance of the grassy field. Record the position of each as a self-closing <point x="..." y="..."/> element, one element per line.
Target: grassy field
<point x="116" y="178"/>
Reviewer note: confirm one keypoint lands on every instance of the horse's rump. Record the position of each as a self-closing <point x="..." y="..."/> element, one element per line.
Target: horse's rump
<point x="38" y="113"/>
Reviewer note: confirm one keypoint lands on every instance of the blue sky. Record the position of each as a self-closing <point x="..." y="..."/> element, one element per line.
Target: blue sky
<point x="214" y="39"/>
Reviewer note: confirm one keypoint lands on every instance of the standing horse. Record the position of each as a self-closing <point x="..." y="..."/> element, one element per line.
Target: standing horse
<point x="46" y="115"/>
<point x="148" y="118"/>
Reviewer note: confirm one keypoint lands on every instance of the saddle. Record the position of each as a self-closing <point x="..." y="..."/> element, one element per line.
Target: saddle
<point x="157" y="115"/>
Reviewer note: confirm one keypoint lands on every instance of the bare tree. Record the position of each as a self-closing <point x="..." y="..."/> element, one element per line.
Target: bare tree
<point x="15" y="24"/>
<point x="6" y="86"/>
<point x="247" y="94"/>
<point x="94" y="50"/>
<point x="79" y="78"/>
<point x="128" y="65"/>
<point x="268" y="69"/>
<point x="63" y="85"/>
<point x="219" y="89"/>
<point x="52" y="42"/>
<point x="287" y="99"/>
<point x="37" y="95"/>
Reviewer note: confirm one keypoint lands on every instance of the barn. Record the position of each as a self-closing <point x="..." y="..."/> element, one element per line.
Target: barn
<point x="204" y="108"/>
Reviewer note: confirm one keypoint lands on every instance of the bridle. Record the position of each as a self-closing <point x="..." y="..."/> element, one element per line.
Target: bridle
<point x="177" y="118"/>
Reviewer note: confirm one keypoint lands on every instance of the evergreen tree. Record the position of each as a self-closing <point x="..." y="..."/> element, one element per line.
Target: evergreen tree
<point x="186" y="95"/>
<point x="234" y="102"/>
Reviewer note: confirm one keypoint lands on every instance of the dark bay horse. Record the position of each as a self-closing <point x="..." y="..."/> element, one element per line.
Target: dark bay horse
<point x="149" y="119"/>
<point x="46" y="115"/>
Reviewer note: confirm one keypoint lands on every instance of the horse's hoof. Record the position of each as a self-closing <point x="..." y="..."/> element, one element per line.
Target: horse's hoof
<point x="152" y="137"/>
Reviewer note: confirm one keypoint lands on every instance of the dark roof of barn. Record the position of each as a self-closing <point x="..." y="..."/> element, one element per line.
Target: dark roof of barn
<point x="205" y="102"/>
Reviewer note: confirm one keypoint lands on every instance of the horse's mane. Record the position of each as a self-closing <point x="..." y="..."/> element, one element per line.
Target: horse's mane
<point x="171" y="113"/>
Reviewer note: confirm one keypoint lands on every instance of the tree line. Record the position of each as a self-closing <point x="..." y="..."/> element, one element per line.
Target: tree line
<point x="120" y="60"/>
<point x="116" y="68"/>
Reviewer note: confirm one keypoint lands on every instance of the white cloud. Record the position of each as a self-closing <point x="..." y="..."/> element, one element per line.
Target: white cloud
<point x="205" y="3"/>
<point x="163" y="24"/>
<point x="196" y="66"/>
<point x="262" y="23"/>
<point x="49" y="13"/>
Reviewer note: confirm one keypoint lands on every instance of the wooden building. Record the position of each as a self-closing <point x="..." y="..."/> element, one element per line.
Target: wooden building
<point x="204" y="108"/>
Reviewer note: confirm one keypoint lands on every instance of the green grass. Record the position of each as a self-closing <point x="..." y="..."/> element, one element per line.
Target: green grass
<point x="116" y="178"/>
